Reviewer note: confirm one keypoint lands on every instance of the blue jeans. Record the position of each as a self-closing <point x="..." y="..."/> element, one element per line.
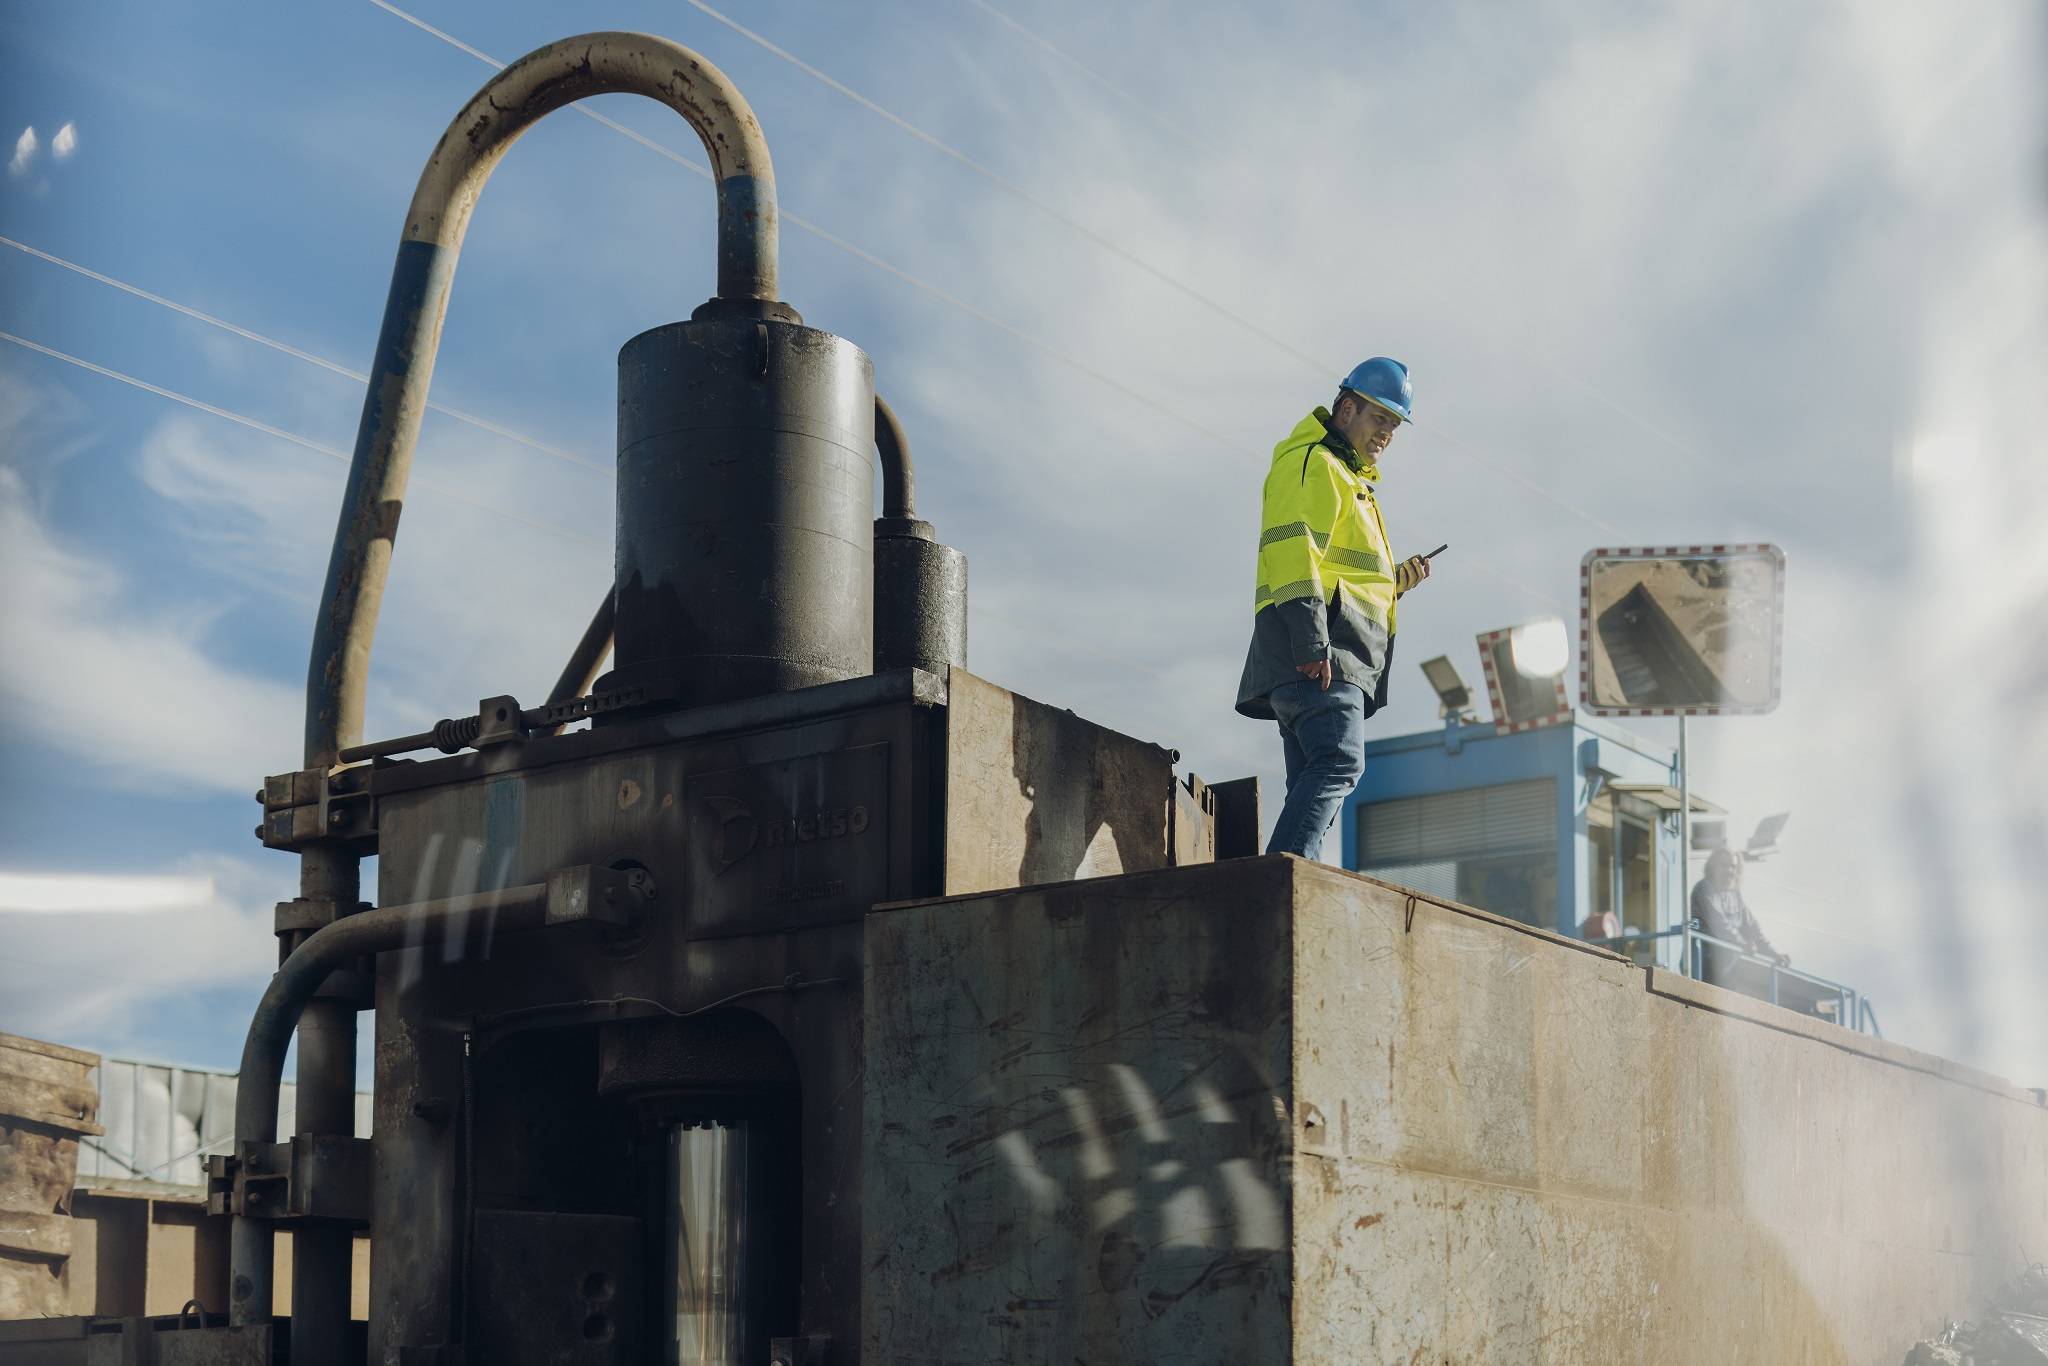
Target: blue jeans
<point x="1323" y="734"/>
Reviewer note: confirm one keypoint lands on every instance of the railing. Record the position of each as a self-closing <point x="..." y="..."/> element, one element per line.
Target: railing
<point x="1817" y="996"/>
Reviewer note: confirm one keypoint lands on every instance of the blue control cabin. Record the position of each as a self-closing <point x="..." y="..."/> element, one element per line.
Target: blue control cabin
<point x="1556" y="825"/>
<point x="1550" y="826"/>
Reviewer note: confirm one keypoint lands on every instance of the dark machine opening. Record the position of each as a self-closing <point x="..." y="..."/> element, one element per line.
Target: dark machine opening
<point x="718" y="1115"/>
<point x="636" y="1185"/>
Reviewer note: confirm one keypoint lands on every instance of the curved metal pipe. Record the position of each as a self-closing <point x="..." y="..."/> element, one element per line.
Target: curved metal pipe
<point x="509" y="103"/>
<point x="251" y="1249"/>
<point x="899" y="491"/>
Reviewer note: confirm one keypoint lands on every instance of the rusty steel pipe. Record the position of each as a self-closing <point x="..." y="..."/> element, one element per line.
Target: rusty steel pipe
<point x="323" y="1253"/>
<point x="509" y="104"/>
<point x="396" y="393"/>
<point x="327" y="1097"/>
<point x="251" y="1249"/>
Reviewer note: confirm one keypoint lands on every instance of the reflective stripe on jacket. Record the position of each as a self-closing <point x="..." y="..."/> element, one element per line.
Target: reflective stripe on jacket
<point x="1325" y="587"/>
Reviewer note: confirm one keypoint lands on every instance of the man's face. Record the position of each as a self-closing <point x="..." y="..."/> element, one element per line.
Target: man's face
<point x="1365" y="425"/>
<point x="1724" y="873"/>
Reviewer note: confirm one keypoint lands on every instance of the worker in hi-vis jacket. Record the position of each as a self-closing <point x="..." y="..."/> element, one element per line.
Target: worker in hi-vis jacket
<point x="1323" y="624"/>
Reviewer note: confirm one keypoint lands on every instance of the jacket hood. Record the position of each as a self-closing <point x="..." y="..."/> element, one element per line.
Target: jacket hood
<point x="1316" y="428"/>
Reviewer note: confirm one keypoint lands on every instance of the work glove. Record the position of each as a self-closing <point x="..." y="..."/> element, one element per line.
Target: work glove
<point x="1410" y="572"/>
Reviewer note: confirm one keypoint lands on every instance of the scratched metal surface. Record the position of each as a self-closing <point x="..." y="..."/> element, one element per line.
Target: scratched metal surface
<point x="1552" y="1156"/>
<point x="1036" y="794"/>
<point x="1479" y="1143"/>
<point x="1075" y="1123"/>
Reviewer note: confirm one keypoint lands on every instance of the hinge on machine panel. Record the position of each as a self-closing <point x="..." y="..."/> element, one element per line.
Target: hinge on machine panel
<point x="309" y="1176"/>
<point x="314" y="807"/>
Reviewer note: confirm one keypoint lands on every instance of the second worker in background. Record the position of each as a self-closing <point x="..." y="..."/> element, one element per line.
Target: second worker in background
<point x="1323" y="620"/>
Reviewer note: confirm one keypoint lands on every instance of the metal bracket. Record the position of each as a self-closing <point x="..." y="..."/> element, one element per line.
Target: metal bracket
<point x="306" y="914"/>
<point x="310" y="1176"/>
<point x="499" y="719"/>
<point x="312" y="806"/>
<point x="606" y="896"/>
<point x="1191" y="823"/>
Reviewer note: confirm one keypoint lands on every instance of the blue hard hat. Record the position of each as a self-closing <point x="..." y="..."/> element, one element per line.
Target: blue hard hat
<point x="1385" y="382"/>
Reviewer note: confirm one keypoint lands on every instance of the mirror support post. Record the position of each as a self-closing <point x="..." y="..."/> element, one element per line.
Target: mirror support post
<point x="1684" y="829"/>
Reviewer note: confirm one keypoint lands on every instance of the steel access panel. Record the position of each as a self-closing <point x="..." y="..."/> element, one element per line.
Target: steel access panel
<point x="790" y="843"/>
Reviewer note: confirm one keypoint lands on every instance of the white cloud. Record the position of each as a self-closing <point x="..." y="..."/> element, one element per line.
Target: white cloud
<point x="114" y="893"/>
<point x="89" y="972"/>
<point x="65" y="142"/>
<point x="141" y="696"/>
<point x="476" y="605"/>
<point x="24" y="152"/>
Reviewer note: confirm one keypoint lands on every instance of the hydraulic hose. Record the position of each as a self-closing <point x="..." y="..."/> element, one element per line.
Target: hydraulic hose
<point x="509" y="103"/>
<point x="365" y="934"/>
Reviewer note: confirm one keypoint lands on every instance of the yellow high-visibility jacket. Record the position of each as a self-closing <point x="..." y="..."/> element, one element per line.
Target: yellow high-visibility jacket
<point x="1325" y="572"/>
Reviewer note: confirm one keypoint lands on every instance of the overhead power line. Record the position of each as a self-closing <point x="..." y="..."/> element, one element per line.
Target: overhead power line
<point x="1011" y="187"/>
<point x="954" y="301"/>
<point x="257" y="424"/>
<point x="867" y="258"/>
<point x="1312" y="364"/>
<point x="1114" y="87"/>
<point x="295" y="353"/>
<point x="1118" y="89"/>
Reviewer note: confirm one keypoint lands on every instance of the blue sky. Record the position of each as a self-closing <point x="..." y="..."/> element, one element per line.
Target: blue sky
<point x="1670" y="273"/>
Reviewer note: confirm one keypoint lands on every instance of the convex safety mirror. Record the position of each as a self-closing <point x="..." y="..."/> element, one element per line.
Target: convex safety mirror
<point x="1681" y="631"/>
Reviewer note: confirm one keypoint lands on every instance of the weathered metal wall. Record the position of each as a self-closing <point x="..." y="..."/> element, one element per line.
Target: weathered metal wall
<point x="46" y="1105"/>
<point x="1036" y="794"/>
<point x="1266" y="1111"/>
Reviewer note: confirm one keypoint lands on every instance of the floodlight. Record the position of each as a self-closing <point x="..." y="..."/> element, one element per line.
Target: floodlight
<point x="1453" y="697"/>
<point x="1522" y="695"/>
<point x="1540" y="649"/>
<point x="1765" y="841"/>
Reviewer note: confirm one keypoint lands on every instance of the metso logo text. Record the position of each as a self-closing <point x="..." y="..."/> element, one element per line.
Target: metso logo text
<point x="811" y="826"/>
